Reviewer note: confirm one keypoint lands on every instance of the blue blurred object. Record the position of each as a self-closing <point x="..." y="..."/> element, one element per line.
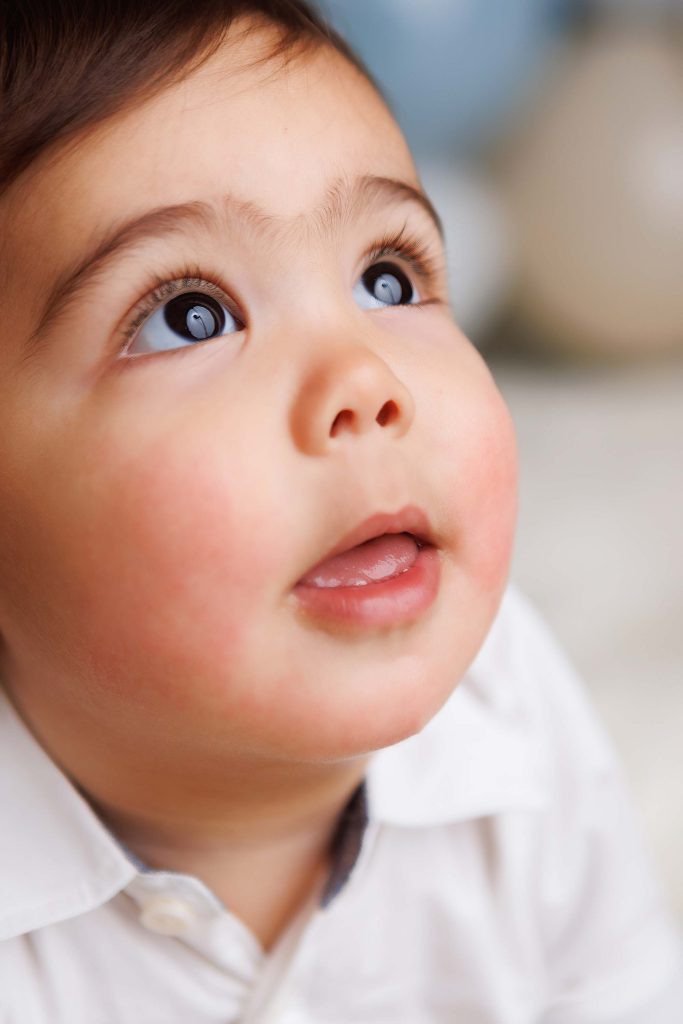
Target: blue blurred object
<point x="453" y="70"/>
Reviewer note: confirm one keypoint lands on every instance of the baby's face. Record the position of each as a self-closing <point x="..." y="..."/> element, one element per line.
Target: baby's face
<point x="161" y="495"/>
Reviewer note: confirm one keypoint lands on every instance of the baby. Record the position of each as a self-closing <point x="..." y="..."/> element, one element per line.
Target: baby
<point x="279" y="741"/>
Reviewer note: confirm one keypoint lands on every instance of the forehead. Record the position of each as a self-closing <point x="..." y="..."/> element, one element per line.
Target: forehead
<point x="277" y="137"/>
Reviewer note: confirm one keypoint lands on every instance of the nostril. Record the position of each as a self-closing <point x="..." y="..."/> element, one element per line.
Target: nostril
<point x="388" y="412"/>
<point x="345" y="416"/>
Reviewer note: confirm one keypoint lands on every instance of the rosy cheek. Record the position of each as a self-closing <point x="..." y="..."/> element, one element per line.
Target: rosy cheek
<point x="482" y="494"/>
<point x="185" y="558"/>
<point x="494" y="505"/>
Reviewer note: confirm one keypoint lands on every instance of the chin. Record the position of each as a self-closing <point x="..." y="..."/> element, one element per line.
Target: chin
<point x="372" y="729"/>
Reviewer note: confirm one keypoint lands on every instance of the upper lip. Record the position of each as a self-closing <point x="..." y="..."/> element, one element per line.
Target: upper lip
<point x="409" y="519"/>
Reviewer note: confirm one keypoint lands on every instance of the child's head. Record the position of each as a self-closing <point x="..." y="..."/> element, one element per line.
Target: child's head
<point x="162" y="490"/>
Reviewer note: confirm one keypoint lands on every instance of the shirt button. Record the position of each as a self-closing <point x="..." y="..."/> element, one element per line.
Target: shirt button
<point x="168" y="915"/>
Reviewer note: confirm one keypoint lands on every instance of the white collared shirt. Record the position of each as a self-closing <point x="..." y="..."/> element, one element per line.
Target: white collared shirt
<point x="499" y="879"/>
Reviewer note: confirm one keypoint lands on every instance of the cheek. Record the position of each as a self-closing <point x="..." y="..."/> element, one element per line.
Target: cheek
<point x="179" y="560"/>
<point x="468" y="433"/>
<point x="481" y="467"/>
<point x="491" y="502"/>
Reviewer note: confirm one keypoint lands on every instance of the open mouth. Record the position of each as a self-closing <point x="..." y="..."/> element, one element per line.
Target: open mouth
<point x="384" y="574"/>
<point x="372" y="561"/>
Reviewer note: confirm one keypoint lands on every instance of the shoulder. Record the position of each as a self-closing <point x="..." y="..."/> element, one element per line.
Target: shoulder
<point x="522" y="662"/>
<point x="597" y="900"/>
<point x="518" y="761"/>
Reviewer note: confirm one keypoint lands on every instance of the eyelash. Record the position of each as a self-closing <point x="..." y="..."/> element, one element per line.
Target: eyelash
<point x="409" y="248"/>
<point x="403" y="245"/>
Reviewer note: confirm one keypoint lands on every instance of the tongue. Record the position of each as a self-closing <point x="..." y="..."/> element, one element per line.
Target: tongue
<point x="375" y="560"/>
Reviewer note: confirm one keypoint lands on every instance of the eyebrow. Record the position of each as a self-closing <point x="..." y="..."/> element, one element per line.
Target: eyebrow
<point x="341" y="200"/>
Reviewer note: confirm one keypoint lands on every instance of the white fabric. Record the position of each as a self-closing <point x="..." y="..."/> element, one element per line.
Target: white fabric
<point x="501" y="880"/>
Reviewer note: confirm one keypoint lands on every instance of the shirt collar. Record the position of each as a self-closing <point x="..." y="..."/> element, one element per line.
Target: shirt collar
<point x="57" y="859"/>
<point x="479" y="755"/>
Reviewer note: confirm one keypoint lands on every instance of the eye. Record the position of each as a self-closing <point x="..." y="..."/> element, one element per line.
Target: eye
<point x="384" y="284"/>
<point x="184" y="320"/>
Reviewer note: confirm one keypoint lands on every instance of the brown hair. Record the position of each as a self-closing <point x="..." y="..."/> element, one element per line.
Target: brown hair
<point x="69" y="64"/>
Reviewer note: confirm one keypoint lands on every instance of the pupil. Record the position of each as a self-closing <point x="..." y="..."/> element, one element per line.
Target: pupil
<point x="194" y="316"/>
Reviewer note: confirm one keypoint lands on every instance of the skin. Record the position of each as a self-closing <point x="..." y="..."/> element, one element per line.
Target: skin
<point x="154" y="518"/>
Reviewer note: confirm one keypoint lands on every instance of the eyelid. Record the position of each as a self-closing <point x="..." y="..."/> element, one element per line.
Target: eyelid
<point x="413" y="250"/>
<point x="161" y="289"/>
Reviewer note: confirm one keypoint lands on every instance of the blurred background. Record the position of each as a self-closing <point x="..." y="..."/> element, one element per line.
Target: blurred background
<point x="549" y="134"/>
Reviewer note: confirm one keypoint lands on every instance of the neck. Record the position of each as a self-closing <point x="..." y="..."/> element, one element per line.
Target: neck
<point x="262" y="849"/>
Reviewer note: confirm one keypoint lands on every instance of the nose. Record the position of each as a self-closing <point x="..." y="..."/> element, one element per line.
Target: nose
<point x="350" y="392"/>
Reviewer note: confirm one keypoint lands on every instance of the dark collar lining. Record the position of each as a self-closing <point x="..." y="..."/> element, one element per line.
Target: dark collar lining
<point x="346" y="843"/>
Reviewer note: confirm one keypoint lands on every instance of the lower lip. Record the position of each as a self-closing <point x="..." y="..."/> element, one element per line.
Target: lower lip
<point x="394" y="602"/>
